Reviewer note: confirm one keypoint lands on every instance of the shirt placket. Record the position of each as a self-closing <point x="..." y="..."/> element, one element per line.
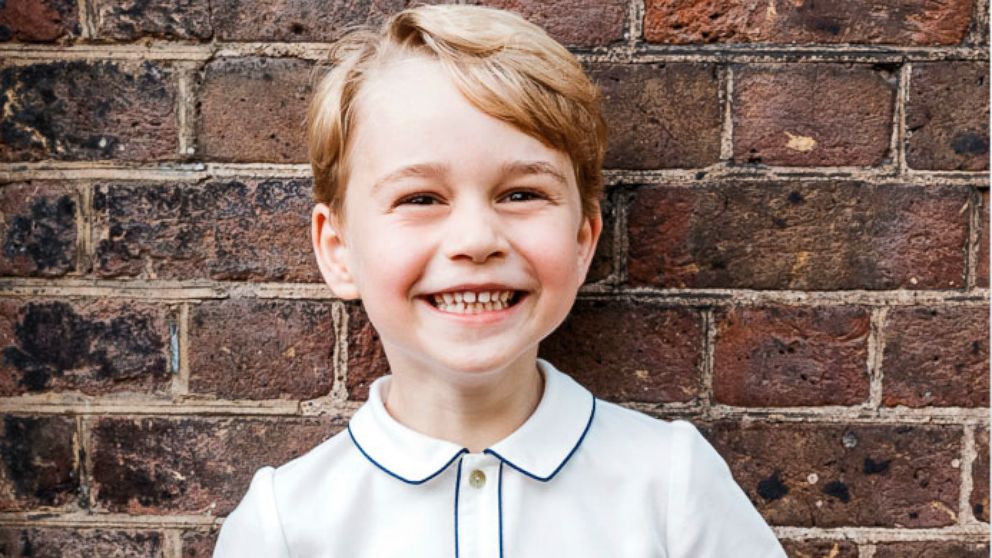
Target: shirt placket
<point x="478" y="506"/>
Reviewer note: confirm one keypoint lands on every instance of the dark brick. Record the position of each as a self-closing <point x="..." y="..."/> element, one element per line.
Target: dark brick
<point x="277" y="349"/>
<point x="936" y="356"/>
<point x="783" y="356"/>
<point x="193" y="465"/>
<point x="366" y="358"/>
<point x="932" y="549"/>
<point x="820" y="549"/>
<point x="94" y="346"/>
<point x="980" y="476"/>
<point x="126" y="20"/>
<point x="256" y="229"/>
<point x="866" y="475"/>
<point x="899" y="22"/>
<point x="571" y="22"/>
<point x="630" y="351"/>
<point x="660" y="115"/>
<point x="303" y="20"/>
<point x="199" y="544"/>
<point x="813" y="114"/>
<point x="39" y="465"/>
<point x="982" y="272"/>
<point x="38" y="226"/>
<point x="947" y="116"/>
<point x="51" y="542"/>
<point x="799" y="235"/>
<point x="38" y="21"/>
<point x="252" y="110"/>
<point x="80" y="110"/>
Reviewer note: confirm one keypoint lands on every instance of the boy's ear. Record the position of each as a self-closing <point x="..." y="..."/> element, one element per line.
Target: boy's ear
<point x="331" y="252"/>
<point x="587" y="239"/>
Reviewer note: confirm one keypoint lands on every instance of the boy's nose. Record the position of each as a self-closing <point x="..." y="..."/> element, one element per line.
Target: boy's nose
<point x="474" y="235"/>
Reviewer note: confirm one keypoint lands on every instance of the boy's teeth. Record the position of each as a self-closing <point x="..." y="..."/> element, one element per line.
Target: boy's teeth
<point x="469" y="302"/>
<point x="469" y="296"/>
<point x="448" y="298"/>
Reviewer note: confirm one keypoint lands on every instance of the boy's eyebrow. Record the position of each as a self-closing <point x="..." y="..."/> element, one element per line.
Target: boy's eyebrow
<point x="510" y="169"/>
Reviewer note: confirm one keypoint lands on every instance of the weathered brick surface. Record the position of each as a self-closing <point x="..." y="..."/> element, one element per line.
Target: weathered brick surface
<point x="195" y="465"/>
<point x="947" y="116"/>
<point x="982" y="272"/>
<point x="781" y="356"/>
<point x="823" y="475"/>
<point x="38" y="464"/>
<point x="284" y="20"/>
<point x="261" y="349"/>
<point x="95" y="346"/>
<point x="366" y="358"/>
<point x="49" y="542"/>
<point x="820" y="549"/>
<point x="602" y="261"/>
<point x="899" y="22"/>
<point x="571" y="22"/>
<point x="38" y="228"/>
<point x="798" y="235"/>
<point x="38" y="20"/>
<point x="169" y="19"/>
<point x="813" y="114"/>
<point x="79" y="110"/>
<point x="660" y="115"/>
<point x="630" y="351"/>
<point x="199" y="544"/>
<point x="252" y="110"/>
<point x="980" y="476"/>
<point x="231" y="229"/>
<point x="936" y="357"/>
<point x="932" y="549"/>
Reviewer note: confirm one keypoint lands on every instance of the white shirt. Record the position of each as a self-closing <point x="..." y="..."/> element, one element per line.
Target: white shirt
<point x="581" y="477"/>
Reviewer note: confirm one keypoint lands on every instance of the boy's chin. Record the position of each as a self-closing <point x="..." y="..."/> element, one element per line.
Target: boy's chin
<point x="481" y="362"/>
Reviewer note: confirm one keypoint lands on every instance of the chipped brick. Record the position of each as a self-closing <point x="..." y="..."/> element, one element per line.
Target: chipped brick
<point x="74" y="541"/>
<point x="127" y="20"/>
<point x="820" y="549"/>
<point x="947" y="116"/>
<point x="800" y="235"/>
<point x="38" y="21"/>
<point x="37" y="463"/>
<point x="38" y="227"/>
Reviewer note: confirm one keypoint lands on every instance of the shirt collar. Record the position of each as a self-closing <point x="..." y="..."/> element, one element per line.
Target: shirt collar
<point x="539" y="448"/>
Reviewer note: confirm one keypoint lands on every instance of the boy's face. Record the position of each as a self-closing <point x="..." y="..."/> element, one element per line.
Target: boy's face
<point x="443" y="198"/>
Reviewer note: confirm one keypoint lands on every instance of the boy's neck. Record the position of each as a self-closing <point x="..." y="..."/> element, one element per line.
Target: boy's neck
<point x="474" y="416"/>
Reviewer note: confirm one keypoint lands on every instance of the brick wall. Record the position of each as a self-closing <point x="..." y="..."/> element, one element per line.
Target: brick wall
<point x="796" y="259"/>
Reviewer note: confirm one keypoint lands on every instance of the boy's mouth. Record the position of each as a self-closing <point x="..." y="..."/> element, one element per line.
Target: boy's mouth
<point x="475" y="302"/>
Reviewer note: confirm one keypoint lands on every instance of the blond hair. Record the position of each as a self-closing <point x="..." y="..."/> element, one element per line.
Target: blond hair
<point x="505" y="66"/>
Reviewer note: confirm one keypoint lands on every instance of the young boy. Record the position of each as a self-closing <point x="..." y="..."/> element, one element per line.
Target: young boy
<point x="457" y="157"/>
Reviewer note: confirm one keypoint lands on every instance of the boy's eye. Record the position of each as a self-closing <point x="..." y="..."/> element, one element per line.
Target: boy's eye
<point x="418" y="199"/>
<point x="522" y="196"/>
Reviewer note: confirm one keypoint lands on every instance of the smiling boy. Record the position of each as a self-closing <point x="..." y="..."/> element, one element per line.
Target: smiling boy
<point x="456" y="157"/>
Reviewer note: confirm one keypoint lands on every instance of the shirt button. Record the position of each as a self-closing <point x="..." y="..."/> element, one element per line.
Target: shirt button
<point x="477" y="479"/>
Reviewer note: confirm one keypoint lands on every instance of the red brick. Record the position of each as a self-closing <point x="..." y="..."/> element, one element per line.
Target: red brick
<point x="798" y="235"/>
<point x="366" y="358"/>
<point x="38" y="21"/>
<point x="80" y="110"/>
<point x="813" y="114"/>
<point x="38" y="226"/>
<point x="276" y="349"/>
<point x="899" y="22"/>
<point x="91" y="346"/>
<point x="982" y="272"/>
<point x="199" y="544"/>
<point x="252" y="110"/>
<point x="74" y="541"/>
<point x="660" y="115"/>
<point x="630" y="351"/>
<point x="302" y="20"/>
<point x="932" y="549"/>
<point x="126" y="20"/>
<point x="820" y="549"/>
<point x="947" y="116"/>
<point x="601" y="267"/>
<point x="936" y="356"/>
<point x="571" y="22"/>
<point x="40" y="466"/>
<point x="980" y="476"/>
<point x="252" y="229"/>
<point x="194" y="465"/>
<point x="783" y="356"/>
<point x="866" y="475"/>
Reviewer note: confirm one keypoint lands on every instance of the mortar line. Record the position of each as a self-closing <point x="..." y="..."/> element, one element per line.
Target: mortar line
<point x="727" y="132"/>
<point x="87" y="25"/>
<point x="708" y="360"/>
<point x="86" y="462"/>
<point x="339" y="393"/>
<point x="172" y="544"/>
<point x="876" y="351"/>
<point x="186" y="110"/>
<point x="866" y="551"/>
<point x="974" y="240"/>
<point x="615" y="278"/>
<point x="181" y="385"/>
<point x="622" y="242"/>
<point x="84" y="228"/>
<point x="898" y="144"/>
<point x="635" y="25"/>
<point x="969" y="452"/>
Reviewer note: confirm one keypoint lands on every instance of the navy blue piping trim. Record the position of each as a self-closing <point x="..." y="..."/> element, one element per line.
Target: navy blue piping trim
<point x="499" y="493"/>
<point x="458" y="481"/>
<point x="564" y="461"/>
<point x="408" y="481"/>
